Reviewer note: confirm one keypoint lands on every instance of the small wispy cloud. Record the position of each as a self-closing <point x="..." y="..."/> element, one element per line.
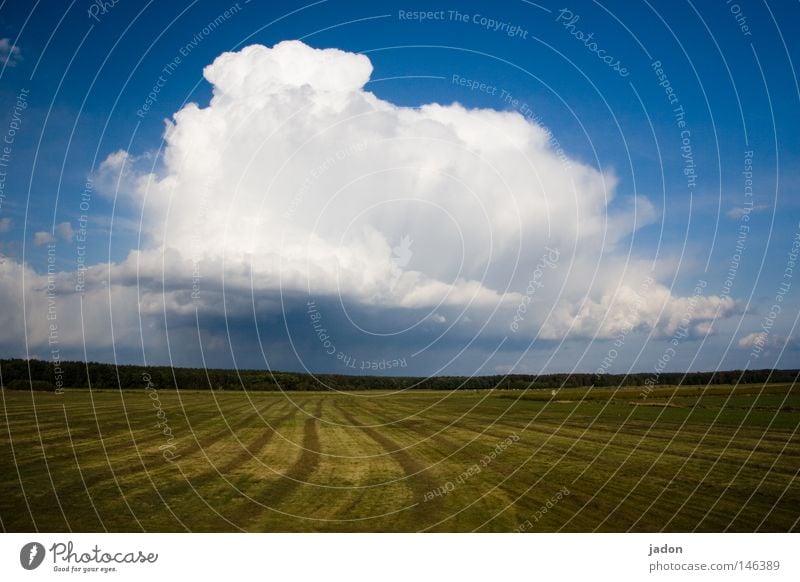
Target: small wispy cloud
<point x="738" y="211"/>
<point x="10" y="54"/>
<point x="65" y="232"/>
<point x="767" y="342"/>
<point x="62" y="231"/>
<point x="755" y="339"/>
<point x="42" y="238"/>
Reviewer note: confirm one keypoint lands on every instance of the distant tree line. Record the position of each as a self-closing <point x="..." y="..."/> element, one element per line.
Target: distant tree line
<point x="42" y="375"/>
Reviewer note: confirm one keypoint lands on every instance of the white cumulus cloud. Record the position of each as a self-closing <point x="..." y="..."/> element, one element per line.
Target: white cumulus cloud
<point x="297" y="179"/>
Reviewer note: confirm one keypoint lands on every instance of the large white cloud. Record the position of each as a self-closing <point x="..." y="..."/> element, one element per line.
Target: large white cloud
<point x="297" y="179"/>
<point x="299" y="172"/>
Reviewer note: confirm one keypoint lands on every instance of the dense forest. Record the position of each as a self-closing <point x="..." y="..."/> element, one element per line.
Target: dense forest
<point x="18" y="374"/>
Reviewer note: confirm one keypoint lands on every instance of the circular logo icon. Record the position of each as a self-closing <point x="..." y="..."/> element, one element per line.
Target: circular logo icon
<point x="31" y="555"/>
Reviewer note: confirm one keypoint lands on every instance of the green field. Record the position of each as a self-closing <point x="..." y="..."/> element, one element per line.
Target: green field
<point x="705" y="459"/>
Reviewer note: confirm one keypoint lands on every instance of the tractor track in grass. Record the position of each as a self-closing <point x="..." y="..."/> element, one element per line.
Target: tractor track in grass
<point x="246" y="452"/>
<point x="595" y="436"/>
<point x="293" y="479"/>
<point x="417" y="478"/>
<point x="120" y="440"/>
<point x="222" y="473"/>
<point x="97" y="475"/>
<point x="250" y="451"/>
<point x="188" y="488"/>
<point x="308" y="462"/>
<point x="553" y="432"/>
<point x="229" y="429"/>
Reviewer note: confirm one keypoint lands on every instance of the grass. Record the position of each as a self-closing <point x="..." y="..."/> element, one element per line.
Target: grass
<point x="721" y="458"/>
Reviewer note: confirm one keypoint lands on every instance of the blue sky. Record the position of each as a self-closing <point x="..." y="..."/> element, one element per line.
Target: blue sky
<point x="730" y="65"/>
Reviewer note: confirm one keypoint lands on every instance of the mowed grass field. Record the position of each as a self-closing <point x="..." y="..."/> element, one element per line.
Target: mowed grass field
<point x="720" y="458"/>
